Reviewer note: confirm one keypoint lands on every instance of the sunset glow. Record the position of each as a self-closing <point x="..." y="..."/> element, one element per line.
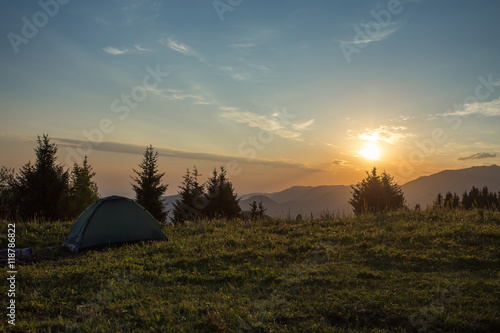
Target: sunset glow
<point x="281" y="93"/>
<point x="370" y="151"/>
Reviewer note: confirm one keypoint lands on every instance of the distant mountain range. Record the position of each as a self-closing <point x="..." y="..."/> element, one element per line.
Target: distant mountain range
<point x="305" y="200"/>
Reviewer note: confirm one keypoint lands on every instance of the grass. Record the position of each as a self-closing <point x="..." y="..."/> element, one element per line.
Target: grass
<point x="433" y="271"/>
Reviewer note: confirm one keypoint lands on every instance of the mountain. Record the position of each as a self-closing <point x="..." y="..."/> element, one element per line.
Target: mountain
<point x="424" y="190"/>
<point x="334" y="199"/>
<point x="304" y="200"/>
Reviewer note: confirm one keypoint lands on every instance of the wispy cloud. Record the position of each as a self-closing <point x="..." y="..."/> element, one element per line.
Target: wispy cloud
<point x="303" y="126"/>
<point x="253" y="120"/>
<point x="237" y="76"/>
<point x="180" y="95"/>
<point x="184" y="154"/>
<point x="228" y="108"/>
<point x="182" y="48"/>
<point x="272" y="123"/>
<point x="141" y="49"/>
<point x="239" y="70"/>
<point x="378" y="32"/>
<point x="488" y="109"/>
<point x="338" y="162"/>
<point x="242" y="45"/>
<point x="115" y="51"/>
<point x="477" y="156"/>
<point x="388" y="134"/>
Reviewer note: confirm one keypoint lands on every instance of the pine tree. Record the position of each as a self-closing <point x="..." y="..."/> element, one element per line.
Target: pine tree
<point x="448" y="200"/>
<point x="7" y="185"/>
<point x="257" y="210"/>
<point x="376" y="193"/>
<point x="192" y="200"/>
<point x="261" y="212"/>
<point x="83" y="191"/>
<point x="222" y="202"/>
<point x="41" y="189"/>
<point x="149" y="188"/>
<point x="254" y="210"/>
<point x="438" y="202"/>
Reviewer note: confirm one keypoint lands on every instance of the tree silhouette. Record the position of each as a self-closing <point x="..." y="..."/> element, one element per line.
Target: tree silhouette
<point x="83" y="191"/>
<point x="148" y="188"/>
<point x="221" y="199"/>
<point x="41" y="189"/>
<point x="376" y="193"/>
<point x="192" y="201"/>
<point x="257" y="210"/>
<point x="7" y="184"/>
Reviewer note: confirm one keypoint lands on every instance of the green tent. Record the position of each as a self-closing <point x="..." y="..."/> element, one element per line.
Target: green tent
<point x="112" y="220"/>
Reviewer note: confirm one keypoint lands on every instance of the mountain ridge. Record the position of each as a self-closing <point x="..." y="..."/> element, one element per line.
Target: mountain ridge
<point x="333" y="199"/>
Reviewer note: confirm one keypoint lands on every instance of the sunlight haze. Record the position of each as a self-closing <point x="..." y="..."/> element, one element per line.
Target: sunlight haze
<point x="281" y="93"/>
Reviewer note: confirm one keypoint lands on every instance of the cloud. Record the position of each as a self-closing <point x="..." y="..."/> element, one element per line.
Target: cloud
<point x="477" y="156"/>
<point x="242" y="45"/>
<point x="241" y="70"/>
<point x="237" y="76"/>
<point x="260" y="68"/>
<point x="253" y="120"/>
<point x="179" y="95"/>
<point x="276" y="123"/>
<point x="228" y="108"/>
<point x="338" y="162"/>
<point x="372" y="32"/>
<point x="115" y="51"/>
<point x="391" y="135"/>
<point x="141" y="49"/>
<point x="182" y="48"/>
<point x="124" y="148"/>
<point x="487" y="109"/>
<point x="303" y="126"/>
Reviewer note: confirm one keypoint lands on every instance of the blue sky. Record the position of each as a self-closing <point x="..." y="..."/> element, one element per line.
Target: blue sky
<point x="283" y="92"/>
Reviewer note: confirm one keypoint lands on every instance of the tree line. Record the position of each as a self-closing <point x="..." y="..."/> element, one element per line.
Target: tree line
<point x="475" y="198"/>
<point x="45" y="190"/>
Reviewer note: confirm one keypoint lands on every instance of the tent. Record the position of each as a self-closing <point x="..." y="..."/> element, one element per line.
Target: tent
<point x="112" y="220"/>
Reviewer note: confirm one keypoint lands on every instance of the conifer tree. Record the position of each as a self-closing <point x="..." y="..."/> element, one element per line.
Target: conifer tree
<point x="148" y="185"/>
<point x="83" y="191"/>
<point x="257" y="210"/>
<point x="222" y="202"/>
<point x="192" y="201"/>
<point x="7" y="184"/>
<point x="376" y="193"/>
<point x="41" y="188"/>
<point x="254" y="210"/>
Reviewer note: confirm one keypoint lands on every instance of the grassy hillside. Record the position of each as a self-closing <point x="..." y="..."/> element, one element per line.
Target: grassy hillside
<point x="406" y="271"/>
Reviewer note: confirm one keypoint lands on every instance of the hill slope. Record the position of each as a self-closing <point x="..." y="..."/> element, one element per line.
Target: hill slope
<point x="402" y="272"/>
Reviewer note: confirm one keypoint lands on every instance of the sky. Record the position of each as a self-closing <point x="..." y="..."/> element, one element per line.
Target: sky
<point x="280" y="93"/>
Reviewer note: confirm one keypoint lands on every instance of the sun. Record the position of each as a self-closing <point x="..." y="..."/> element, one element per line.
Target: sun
<point x="370" y="151"/>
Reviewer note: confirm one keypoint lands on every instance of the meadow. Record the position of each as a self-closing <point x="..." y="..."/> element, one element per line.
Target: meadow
<point x="405" y="271"/>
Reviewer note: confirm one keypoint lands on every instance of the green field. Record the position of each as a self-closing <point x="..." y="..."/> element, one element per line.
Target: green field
<point x="432" y="271"/>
